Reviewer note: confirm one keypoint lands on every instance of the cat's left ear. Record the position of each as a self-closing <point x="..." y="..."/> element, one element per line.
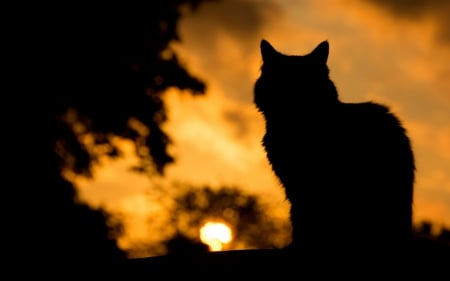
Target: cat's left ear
<point x="321" y="51"/>
<point x="268" y="52"/>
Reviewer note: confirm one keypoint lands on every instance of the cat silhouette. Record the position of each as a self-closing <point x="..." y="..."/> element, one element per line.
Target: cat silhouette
<point x="347" y="168"/>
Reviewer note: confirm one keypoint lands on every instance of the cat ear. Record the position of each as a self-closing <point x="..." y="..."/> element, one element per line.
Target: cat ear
<point x="321" y="51"/>
<point x="267" y="51"/>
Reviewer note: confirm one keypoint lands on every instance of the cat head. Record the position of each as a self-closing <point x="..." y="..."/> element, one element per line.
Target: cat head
<point x="286" y="79"/>
<point x="271" y="55"/>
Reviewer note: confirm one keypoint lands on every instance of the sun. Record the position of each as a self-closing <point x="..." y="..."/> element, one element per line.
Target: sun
<point x="215" y="235"/>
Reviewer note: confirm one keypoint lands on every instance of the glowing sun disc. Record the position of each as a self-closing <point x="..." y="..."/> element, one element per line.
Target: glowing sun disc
<point x="215" y="235"/>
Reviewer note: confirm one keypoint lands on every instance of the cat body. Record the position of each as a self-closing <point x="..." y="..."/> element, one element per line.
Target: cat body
<point x="347" y="168"/>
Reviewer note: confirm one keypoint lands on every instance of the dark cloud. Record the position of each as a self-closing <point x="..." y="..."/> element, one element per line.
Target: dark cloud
<point x="410" y="8"/>
<point x="439" y="10"/>
<point x="242" y="20"/>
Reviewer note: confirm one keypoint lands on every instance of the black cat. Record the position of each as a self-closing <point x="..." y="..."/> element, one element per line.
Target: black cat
<point x="347" y="168"/>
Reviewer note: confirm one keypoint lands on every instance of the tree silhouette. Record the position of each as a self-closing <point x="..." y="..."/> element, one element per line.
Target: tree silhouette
<point x="99" y="73"/>
<point x="182" y="245"/>
<point x="244" y="213"/>
<point x="119" y="66"/>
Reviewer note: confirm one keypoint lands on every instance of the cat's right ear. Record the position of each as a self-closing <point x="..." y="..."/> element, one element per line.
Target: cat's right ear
<point x="321" y="51"/>
<point x="267" y="51"/>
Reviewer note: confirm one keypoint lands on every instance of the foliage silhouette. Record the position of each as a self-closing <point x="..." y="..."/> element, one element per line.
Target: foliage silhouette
<point x="427" y="229"/>
<point x="119" y="66"/>
<point x="244" y="213"/>
<point x="101" y="73"/>
<point x="180" y="244"/>
<point x="193" y="206"/>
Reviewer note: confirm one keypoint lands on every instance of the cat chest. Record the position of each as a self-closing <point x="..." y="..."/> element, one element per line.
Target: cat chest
<point x="335" y="152"/>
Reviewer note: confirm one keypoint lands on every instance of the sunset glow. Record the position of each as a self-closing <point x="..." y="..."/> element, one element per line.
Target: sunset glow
<point x="380" y="52"/>
<point x="215" y="235"/>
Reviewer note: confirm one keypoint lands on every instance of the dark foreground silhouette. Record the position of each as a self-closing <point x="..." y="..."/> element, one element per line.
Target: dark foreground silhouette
<point x="424" y="256"/>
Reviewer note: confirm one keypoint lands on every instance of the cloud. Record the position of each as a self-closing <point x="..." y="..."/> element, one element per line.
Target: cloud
<point x="220" y="41"/>
<point x="206" y="141"/>
<point x="220" y="44"/>
<point x="243" y="20"/>
<point x="436" y="10"/>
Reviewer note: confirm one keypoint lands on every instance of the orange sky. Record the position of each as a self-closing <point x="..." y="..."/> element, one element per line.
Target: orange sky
<point x="378" y="51"/>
